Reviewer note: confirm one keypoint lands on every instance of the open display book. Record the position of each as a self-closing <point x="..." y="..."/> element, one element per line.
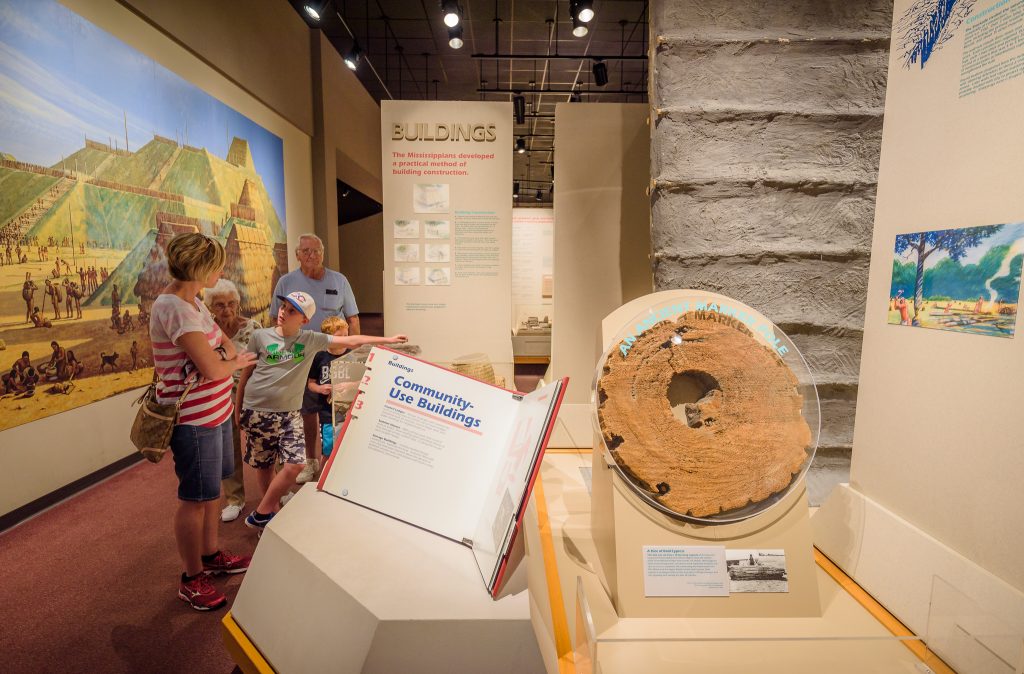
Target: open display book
<point x="443" y="452"/>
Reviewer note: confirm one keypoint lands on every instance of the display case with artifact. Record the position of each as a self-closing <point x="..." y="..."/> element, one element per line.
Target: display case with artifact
<point x="706" y="419"/>
<point x="532" y="335"/>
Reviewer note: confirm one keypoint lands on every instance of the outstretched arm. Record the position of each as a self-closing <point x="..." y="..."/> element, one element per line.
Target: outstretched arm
<point x="340" y="344"/>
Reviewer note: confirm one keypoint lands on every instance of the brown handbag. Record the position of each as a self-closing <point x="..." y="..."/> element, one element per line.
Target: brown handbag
<point x="154" y="423"/>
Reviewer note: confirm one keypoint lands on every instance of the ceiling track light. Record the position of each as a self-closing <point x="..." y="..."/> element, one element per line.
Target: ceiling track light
<point x="521" y="145"/>
<point x="540" y="196"/>
<point x="515" y="190"/>
<point x="584" y="10"/>
<point x="579" y="28"/>
<point x="600" y="73"/>
<point x="452" y="13"/>
<point x="455" y="37"/>
<point x="353" y="56"/>
<point x="314" y="10"/>
<point x="519" y="108"/>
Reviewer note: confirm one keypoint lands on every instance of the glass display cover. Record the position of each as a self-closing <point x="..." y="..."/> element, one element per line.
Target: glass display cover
<point x="707" y="410"/>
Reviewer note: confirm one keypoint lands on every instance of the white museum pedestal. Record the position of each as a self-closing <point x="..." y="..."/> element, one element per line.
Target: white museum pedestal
<point x="576" y="621"/>
<point x="336" y="587"/>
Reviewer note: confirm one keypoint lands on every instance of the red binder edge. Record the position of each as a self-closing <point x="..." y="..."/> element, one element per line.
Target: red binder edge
<point x="502" y="568"/>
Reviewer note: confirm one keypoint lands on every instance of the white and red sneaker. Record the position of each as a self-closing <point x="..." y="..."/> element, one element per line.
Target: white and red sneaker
<point x="201" y="594"/>
<point x="225" y="562"/>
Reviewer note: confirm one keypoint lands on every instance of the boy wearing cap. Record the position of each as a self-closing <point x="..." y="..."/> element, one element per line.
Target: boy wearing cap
<point x="270" y="395"/>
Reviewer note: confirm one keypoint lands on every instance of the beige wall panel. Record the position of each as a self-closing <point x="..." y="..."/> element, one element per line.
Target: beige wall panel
<point x="938" y="438"/>
<point x="262" y="45"/>
<point x="45" y="455"/>
<point x="362" y="258"/>
<point x="602" y="237"/>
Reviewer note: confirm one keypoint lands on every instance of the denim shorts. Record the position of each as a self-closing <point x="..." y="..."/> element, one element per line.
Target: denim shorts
<point x="202" y="458"/>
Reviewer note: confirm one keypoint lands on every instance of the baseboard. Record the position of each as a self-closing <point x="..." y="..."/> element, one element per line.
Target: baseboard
<point x="22" y="513"/>
<point x="969" y="617"/>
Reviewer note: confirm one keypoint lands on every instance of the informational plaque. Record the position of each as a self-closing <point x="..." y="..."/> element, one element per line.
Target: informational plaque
<point x="684" y="571"/>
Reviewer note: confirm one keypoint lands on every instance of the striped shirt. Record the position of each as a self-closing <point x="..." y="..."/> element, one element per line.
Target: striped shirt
<point x="209" y="402"/>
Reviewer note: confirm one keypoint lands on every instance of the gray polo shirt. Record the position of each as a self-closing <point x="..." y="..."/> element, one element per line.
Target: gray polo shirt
<point x="332" y="294"/>
<point x="282" y="366"/>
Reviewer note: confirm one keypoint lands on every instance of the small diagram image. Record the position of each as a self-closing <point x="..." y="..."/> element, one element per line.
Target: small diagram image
<point x="407" y="276"/>
<point x="436" y="229"/>
<point x="962" y="280"/>
<point x="407" y="252"/>
<point x="438" y="276"/>
<point x="437" y="252"/>
<point x="431" y="198"/>
<point x="757" y="570"/>
<point x="406" y="229"/>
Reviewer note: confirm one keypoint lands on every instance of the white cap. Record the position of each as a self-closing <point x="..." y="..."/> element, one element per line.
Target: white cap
<point x="301" y="301"/>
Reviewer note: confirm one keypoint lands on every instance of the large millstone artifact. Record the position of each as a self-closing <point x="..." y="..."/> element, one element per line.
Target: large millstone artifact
<point x="703" y="417"/>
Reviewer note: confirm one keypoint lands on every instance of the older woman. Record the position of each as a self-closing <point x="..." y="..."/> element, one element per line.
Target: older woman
<point x="189" y="348"/>
<point x="223" y="300"/>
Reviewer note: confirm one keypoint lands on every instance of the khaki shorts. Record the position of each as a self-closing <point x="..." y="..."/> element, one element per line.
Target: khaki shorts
<point x="273" y="437"/>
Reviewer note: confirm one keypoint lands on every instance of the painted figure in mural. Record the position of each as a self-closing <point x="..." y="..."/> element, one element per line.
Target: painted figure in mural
<point x="903" y="307"/>
<point x="38" y="320"/>
<point x="115" y="299"/>
<point x="126" y="322"/>
<point x="57" y="367"/>
<point x="979" y="305"/>
<point x="135" y="355"/>
<point x="75" y="366"/>
<point x="69" y="301"/>
<point x="333" y="296"/>
<point x="53" y="292"/>
<point x="28" y="291"/>
<point x="75" y="293"/>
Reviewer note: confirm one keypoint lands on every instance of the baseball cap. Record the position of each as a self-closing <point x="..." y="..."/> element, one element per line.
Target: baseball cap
<point x="301" y="301"/>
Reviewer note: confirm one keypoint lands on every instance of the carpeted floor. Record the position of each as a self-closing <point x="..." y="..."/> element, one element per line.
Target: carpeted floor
<point x="91" y="585"/>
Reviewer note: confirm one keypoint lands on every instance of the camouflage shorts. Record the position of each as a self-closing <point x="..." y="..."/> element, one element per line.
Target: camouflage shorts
<point x="272" y="437"/>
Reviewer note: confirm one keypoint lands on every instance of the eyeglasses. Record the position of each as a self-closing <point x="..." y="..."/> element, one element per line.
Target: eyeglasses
<point x="310" y="251"/>
<point x="225" y="305"/>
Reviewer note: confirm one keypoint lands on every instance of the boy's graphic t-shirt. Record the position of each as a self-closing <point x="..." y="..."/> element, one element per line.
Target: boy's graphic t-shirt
<point x="282" y="366"/>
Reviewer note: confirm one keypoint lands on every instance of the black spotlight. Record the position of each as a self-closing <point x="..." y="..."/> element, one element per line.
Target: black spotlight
<point x="515" y="190"/>
<point x="455" y="37"/>
<point x="584" y="9"/>
<point x="353" y="55"/>
<point x="314" y="10"/>
<point x="452" y="13"/>
<point x="521" y="145"/>
<point x="519" y="108"/>
<point x="579" y="29"/>
<point x="575" y="97"/>
<point x="600" y="73"/>
<point x="540" y="196"/>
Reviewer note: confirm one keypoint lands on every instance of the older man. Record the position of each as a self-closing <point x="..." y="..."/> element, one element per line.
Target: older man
<point x="333" y="296"/>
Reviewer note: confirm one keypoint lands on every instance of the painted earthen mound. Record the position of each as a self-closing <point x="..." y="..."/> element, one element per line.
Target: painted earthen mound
<point x="742" y="441"/>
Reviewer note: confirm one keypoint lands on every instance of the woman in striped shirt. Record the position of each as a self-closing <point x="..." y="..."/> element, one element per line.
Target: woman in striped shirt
<point x="189" y="348"/>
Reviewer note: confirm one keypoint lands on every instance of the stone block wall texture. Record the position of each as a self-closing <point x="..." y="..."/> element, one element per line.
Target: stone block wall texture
<point x="767" y="126"/>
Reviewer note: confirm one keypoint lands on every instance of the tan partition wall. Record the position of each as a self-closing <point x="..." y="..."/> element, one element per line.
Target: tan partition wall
<point x="602" y="240"/>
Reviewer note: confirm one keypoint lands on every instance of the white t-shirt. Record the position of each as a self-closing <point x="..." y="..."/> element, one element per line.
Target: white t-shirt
<point x="209" y="402"/>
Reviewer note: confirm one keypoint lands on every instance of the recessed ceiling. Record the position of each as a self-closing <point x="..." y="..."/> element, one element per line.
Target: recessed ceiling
<point x="406" y="43"/>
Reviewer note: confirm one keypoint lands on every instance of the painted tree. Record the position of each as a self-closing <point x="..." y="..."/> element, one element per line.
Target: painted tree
<point x="955" y="243"/>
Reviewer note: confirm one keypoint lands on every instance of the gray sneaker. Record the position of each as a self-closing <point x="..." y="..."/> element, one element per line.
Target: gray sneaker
<point x="310" y="473"/>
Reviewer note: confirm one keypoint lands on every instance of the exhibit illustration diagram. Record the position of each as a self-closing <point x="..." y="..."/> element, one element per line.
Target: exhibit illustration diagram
<point x="963" y="280"/>
<point x="106" y="156"/>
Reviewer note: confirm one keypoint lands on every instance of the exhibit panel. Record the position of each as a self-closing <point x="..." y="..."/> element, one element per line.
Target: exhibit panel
<point x="937" y="449"/>
<point x="446" y="169"/>
<point x="120" y="175"/>
<point x="532" y="283"/>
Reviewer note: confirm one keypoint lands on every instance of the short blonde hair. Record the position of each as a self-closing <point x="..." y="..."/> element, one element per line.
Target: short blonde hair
<point x="194" y="256"/>
<point x="332" y="324"/>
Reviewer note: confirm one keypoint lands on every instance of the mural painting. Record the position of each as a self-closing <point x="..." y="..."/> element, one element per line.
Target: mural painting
<point x="104" y="156"/>
<point x="965" y="280"/>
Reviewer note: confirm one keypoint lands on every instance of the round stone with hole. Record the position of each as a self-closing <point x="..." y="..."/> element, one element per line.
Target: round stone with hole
<point x="702" y="416"/>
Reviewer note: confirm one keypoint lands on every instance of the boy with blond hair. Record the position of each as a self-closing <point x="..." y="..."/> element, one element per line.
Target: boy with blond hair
<point x="319" y="384"/>
<point x="270" y="397"/>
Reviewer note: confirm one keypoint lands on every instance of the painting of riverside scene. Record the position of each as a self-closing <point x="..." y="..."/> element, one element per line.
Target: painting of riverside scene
<point x="105" y="156"/>
<point x="964" y="280"/>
